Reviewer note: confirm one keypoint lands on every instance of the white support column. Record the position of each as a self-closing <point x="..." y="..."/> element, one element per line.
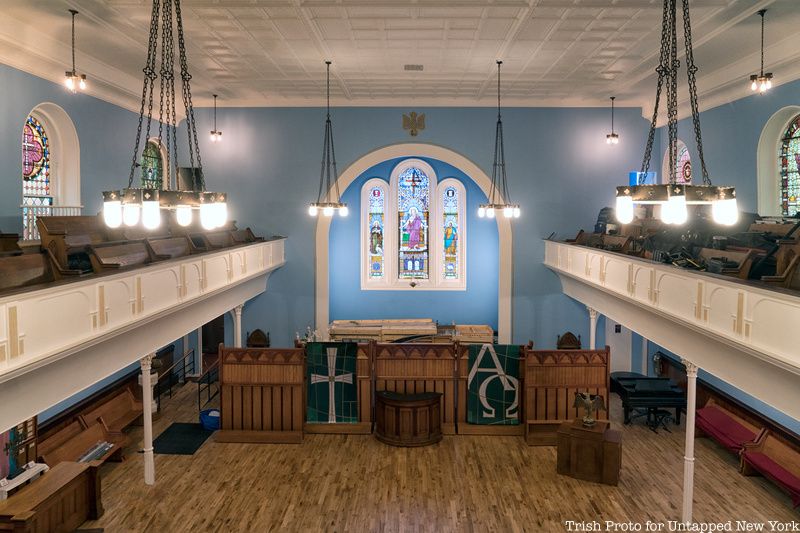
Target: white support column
<point x="237" y="326"/>
<point x="688" y="459"/>
<point x="147" y="418"/>
<point x="592" y="328"/>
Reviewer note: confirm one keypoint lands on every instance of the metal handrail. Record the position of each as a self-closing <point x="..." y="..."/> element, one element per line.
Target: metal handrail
<point x="209" y="377"/>
<point x="169" y="377"/>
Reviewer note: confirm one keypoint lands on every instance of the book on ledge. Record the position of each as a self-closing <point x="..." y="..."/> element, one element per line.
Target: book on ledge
<point x="95" y="452"/>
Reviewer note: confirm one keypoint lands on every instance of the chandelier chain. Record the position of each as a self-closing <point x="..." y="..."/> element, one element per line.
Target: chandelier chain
<point x="672" y="92"/>
<point x="148" y="71"/>
<point x="691" y="71"/>
<point x="661" y="70"/>
<point x="761" y="12"/>
<point x="73" y="41"/>
<point x="187" y="96"/>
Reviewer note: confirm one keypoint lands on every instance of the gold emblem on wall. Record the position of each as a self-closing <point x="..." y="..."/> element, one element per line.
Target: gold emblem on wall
<point x="413" y="123"/>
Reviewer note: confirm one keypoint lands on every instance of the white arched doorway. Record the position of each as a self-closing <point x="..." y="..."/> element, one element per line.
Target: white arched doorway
<point x="768" y="170"/>
<point x="505" y="263"/>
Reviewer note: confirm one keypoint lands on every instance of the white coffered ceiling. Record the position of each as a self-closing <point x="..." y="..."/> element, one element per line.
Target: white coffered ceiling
<point x="271" y="52"/>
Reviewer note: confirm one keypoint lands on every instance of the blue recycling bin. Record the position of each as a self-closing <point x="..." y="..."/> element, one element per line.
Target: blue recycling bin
<point x="209" y="419"/>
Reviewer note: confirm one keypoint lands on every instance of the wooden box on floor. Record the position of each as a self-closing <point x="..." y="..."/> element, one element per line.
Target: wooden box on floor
<point x="61" y="500"/>
<point x="364" y="383"/>
<point x="261" y="395"/>
<point x="552" y="377"/>
<point x="415" y="368"/>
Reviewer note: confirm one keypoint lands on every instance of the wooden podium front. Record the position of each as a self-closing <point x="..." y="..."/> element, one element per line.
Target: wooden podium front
<point x="408" y="419"/>
<point x="592" y="454"/>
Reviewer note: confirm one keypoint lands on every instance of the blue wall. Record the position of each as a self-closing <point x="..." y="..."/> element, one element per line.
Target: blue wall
<point x="476" y="305"/>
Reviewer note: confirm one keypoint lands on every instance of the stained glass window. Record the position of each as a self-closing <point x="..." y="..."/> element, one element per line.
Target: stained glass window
<point x="451" y="231"/>
<point x="683" y="166"/>
<point x="413" y="201"/>
<point x="36" y="194"/>
<point x="375" y="228"/>
<point x="790" y="169"/>
<point x="152" y="166"/>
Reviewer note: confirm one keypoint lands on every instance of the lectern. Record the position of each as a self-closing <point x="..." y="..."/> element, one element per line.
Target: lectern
<point x="589" y="453"/>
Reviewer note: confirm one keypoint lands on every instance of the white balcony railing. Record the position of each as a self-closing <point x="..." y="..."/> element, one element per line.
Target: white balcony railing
<point x="44" y="324"/>
<point x="31" y="212"/>
<point x="755" y="318"/>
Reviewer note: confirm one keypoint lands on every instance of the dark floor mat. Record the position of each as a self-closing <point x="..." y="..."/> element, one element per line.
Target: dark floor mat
<point x="181" y="438"/>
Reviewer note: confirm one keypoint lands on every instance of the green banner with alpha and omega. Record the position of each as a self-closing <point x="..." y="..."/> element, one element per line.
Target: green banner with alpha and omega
<point x="331" y="383"/>
<point x="493" y="384"/>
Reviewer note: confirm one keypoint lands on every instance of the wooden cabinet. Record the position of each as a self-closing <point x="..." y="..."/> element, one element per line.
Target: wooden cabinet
<point x="408" y="419"/>
<point x="592" y="454"/>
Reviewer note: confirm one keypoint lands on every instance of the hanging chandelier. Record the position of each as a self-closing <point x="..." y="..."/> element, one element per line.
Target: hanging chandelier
<point x="329" y="201"/>
<point x="672" y="196"/>
<point x="761" y="82"/>
<point x="498" y="192"/>
<point x="72" y="80"/>
<point x="612" y="138"/>
<point x="216" y="135"/>
<point x="145" y="203"/>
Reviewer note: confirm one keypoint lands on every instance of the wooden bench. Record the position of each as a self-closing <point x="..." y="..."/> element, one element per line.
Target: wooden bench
<point x="9" y="242"/>
<point x="242" y="236"/>
<point x="729" y="430"/>
<point x="743" y="256"/>
<point x="59" y="438"/>
<point x="77" y="443"/>
<point x="616" y="243"/>
<point x="776" y="461"/>
<point x="24" y="270"/>
<point x="789" y="278"/>
<point x="119" y="412"/>
<point x="580" y="238"/>
<point x="124" y="254"/>
<point x="171" y="247"/>
<point x="68" y="238"/>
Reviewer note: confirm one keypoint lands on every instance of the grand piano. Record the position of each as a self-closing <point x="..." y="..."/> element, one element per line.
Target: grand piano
<point x="648" y="395"/>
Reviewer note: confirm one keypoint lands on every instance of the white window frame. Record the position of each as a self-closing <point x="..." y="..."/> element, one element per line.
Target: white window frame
<point x="435" y="280"/>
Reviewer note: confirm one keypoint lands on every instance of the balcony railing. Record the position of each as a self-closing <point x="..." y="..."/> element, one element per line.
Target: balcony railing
<point x="31" y="212"/>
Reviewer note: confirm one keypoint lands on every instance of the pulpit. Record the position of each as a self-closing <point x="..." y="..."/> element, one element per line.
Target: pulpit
<point x="408" y="419"/>
<point x="589" y="453"/>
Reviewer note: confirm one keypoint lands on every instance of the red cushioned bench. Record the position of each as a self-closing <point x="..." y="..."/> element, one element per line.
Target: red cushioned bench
<point x="728" y="429"/>
<point x="774" y="460"/>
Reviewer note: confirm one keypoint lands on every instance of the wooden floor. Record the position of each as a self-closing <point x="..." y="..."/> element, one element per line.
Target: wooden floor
<point x="355" y="483"/>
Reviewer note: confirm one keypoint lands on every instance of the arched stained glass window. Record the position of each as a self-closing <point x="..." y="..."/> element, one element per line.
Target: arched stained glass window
<point x="37" y="197"/>
<point x="413" y="230"/>
<point x="152" y="166"/>
<point x="683" y="167"/>
<point x="450" y="232"/>
<point x="376" y="213"/>
<point x="790" y="168"/>
<point x="413" y="206"/>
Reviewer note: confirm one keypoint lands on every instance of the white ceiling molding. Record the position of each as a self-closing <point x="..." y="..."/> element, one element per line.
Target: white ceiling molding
<point x="557" y="53"/>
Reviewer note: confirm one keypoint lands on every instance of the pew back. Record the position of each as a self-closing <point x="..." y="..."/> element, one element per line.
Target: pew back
<point x="25" y="270"/>
<point x="116" y="255"/>
<point x="120" y="411"/>
<point x="171" y="247"/>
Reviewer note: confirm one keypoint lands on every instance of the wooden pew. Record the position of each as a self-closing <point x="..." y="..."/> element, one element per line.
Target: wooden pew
<point x="616" y="243"/>
<point x="789" y="278"/>
<point x="25" y="270"/>
<point x="125" y="254"/>
<point x="68" y="238"/>
<point x="9" y="242"/>
<point x="61" y="500"/>
<point x="775" y="460"/>
<point x="73" y="447"/>
<point x="728" y="429"/>
<point x="580" y="238"/>
<point x="56" y="440"/>
<point x="243" y="236"/>
<point x="172" y="247"/>
<point x="743" y="256"/>
<point x="118" y="412"/>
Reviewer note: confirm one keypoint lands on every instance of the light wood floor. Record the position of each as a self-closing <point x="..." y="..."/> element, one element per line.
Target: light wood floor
<point x="355" y="483"/>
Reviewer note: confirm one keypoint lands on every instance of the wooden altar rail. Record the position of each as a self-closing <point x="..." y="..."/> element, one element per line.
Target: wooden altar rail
<point x="262" y="398"/>
<point x="552" y="377"/>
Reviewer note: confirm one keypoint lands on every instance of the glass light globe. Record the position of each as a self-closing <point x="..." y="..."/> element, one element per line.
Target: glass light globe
<point x="481" y="211"/>
<point x="70" y="83"/>
<point x="753" y="86"/>
<point x="220" y="213"/>
<point x="343" y="211"/>
<point x="130" y="214"/>
<point x="508" y="211"/>
<point x="312" y="210"/>
<point x="517" y="212"/>
<point x="327" y="211"/>
<point x="615" y="140"/>
<point x="112" y="213"/>
<point x="769" y="84"/>
<point x="82" y="84"/>
<point x="207" y="218"/>
<point x="490" y="212"/>
<point x="624" y="209"/>
<point x="608" y="139"/>
<point x="725" y="212"/>
<point x="151" y="215"/>
<point x="183" y="215"/>
<point x="677" y="207"/>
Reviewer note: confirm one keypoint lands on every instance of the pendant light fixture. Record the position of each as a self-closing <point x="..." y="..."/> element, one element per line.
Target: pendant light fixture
<point x="612" y="138"/>
<point x="144" y="203"/>
<point x="674" y="197"/>
<point x="761" y="82"/>
<point x="328" y="199"/>
<point x="499" y="198"/>
<point x="216" y="135"/>
<point x="72" y="80"/>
